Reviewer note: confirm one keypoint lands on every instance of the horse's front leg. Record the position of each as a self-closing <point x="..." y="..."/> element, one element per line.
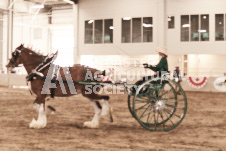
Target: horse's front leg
<point x="39" y="106"/>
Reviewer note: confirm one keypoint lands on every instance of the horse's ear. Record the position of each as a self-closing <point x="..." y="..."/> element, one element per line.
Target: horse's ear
<point x="21" y="46"/>
<point x="56" y="53"/>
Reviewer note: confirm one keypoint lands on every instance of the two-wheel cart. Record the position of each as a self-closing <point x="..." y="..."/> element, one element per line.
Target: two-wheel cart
<point x="159" y="104"/>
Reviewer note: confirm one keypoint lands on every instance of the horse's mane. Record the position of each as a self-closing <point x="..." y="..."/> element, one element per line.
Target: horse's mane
<point x="34" y="52"/>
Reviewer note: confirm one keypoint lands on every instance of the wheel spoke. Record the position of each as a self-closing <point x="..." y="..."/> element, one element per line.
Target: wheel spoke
<point x="151" y="109"/>
<point x="173" y="97"/>
<point x="174" y="106"/>
<point x="177" y="116"/>
<point x="148" y="117"/>
<point x="142" y="107"/>
<point x="168" y="117"/>
<point x="155" y="120"/>
<point x="175" y="101"/>
<point x="162" y="120"/>
<point x="174" y="114"/>
<point x="157" y="116"/>
<point x="142" y="115"/>
<point x="142" y="101"/>
<point x="151" y="117"/>
<point x="167" y="92"/>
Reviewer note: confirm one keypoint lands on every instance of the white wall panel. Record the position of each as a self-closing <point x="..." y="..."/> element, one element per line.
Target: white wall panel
<point x="62" y="16"/>
<point x="116" y="10"/>
<point x="24" y="31"/>
<point x="4" y="4"/>
<point x="62" y="36"/>
<point x="190" y="7"/>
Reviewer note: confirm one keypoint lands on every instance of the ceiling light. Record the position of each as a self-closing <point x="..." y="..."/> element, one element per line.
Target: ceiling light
<point x="126" y="18"/>
<point x="90" y="21"/>
<point x="186" y="25"/>
<point x="68" y="1"/>
<point x="38" y="6"/>
<point x="169" y="19"/>
<point x="111" y="27"/>
<point x="204" y="17"/>
<point x="147" y="25"/>
<point x="202" y="31"/>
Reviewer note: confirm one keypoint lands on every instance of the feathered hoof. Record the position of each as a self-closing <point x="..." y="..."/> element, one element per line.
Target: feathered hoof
<point x="91" y="124"/>
<point x="108" y="115"/>
<point x="36" y="125"/>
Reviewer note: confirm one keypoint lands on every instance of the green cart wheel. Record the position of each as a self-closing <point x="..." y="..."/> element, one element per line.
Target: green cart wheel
<point x="142" y="92"/>
<point x="130" y="104"/>
<point x="161" y="108"/>
<point x="150" y="93"/>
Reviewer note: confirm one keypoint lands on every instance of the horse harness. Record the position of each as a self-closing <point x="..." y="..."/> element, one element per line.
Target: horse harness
<point x="47" y="61"/>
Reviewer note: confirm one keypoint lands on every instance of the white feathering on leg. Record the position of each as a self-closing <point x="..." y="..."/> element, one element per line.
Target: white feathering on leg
<point x="106" y="111"/>
<point x="41" y="121"/>
<point x="105" y="108"/>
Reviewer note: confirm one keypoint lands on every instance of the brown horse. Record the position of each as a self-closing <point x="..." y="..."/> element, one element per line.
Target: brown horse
<point x="31" y="60"/>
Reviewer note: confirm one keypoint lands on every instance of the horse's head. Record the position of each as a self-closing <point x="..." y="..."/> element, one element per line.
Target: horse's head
<point x="15" y="60"/>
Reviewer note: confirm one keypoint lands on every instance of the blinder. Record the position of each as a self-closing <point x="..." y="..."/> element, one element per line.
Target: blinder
<point x="15" y="55"/>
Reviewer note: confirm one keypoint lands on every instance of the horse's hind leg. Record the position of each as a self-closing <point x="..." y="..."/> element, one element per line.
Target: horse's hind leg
<point x="95" y="121"/>
<point x="106" y="112"/>
<point x="39" y="106"/>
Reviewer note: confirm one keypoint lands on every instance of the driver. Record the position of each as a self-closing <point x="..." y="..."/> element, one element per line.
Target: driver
<point x="159" y="69"/>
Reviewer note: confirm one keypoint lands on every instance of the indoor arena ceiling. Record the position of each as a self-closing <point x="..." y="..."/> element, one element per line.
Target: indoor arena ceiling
<point x="52" y="3"/>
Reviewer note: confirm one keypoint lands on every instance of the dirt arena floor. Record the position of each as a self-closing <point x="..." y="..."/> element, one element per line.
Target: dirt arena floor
<point x="204" y="126"/>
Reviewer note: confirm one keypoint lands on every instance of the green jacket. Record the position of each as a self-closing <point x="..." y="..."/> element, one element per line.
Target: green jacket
<point x="161" y="66"/>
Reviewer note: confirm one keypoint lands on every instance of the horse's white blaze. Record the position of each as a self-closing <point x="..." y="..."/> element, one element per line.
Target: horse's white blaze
<point x="41" y="121"/>
<point x="95" y="121"/>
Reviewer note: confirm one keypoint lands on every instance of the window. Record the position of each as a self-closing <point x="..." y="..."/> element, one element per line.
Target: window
<point x="147" y="29"/>
<point x="195" y="27"/>
<point x="185" y="28"/>
<point x="219" y="27"/>
<point x="99" y="31"/>
<point x="137" y="30"/>
<point x="108" y="28"/>
<point x="89" y="32"/>
<point x="204" y="28"/>
<point x="126" y="34"/>
<point x="170" y="22"/>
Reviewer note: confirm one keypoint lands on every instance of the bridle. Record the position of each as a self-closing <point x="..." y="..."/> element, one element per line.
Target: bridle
<point x="15" y="55"/>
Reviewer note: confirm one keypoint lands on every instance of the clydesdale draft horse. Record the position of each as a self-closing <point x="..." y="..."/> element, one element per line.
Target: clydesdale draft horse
<point x="30" y="60"/>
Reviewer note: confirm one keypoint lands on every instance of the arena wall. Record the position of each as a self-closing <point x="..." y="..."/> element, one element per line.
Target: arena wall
<point x="116" y="10"/>
<point x="211" y="84"/>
